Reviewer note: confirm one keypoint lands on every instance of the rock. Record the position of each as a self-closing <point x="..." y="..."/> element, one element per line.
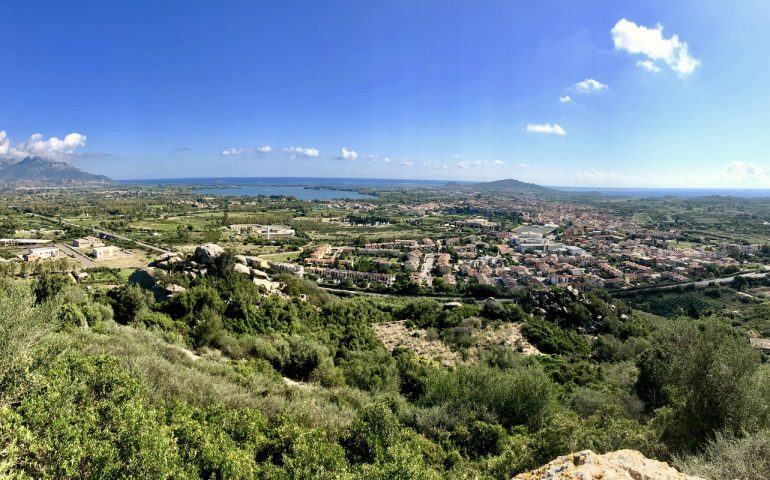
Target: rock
<point x="208" y="252"/>
<point x="174" y="288"/>
<point x="619" y="465"/>
<point x="256" y="273"/>
<point x="242" y="259"/>
<point x="240" y="268"/>
<point x="145" y="277"/>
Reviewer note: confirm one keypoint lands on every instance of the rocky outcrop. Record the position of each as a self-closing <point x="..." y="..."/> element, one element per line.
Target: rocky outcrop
<point x="619" y="465"/>
<point x="208" y="252"/>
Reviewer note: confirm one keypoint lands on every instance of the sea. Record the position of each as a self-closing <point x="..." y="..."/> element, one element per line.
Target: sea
<point x="302" y="188"/>
<point x="324" y="188"/>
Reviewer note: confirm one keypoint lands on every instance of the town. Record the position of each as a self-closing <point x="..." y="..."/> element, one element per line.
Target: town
<point x="439" y="243"/>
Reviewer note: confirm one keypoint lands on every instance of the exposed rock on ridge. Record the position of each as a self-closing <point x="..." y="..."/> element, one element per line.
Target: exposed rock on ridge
<point x="619" y="465"/>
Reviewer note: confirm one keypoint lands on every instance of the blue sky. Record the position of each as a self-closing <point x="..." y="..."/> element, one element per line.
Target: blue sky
<point x="398" y="89"/>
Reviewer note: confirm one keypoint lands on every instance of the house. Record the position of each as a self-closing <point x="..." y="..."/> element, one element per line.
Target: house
<point x="100" y="253"/>
<point x="87" y="242"/>
<point x="40" y="253"/>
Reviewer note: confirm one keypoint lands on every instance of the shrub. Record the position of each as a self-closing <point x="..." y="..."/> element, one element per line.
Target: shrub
<point x="550" y="338"/>
<point x="510" y="397"/>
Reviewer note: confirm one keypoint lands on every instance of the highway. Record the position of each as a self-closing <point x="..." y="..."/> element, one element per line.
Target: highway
<point x="105" y="233"/>
<point x="648" y="288"/>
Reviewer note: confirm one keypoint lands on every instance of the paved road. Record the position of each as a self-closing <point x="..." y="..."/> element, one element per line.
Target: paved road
<point x="352" y="291"/>
<point x="651" y="288"/>
<point x="106" y="233"/>
<point x="696" y="283"/>
<point x="427" y="267"/>
<point x="72" y="253"/>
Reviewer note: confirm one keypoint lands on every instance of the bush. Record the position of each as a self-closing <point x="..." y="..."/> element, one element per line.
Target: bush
<point x="747" y="458"/>
<point x="550" y="338"/>
<point x="708" y="379"/>
<point x="510" y="397"/>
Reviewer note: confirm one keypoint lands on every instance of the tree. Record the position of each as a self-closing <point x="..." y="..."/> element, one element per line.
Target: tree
<point x="703" y="377"/>
<point x="129" y="301"/>
<point x="48" y="286"/>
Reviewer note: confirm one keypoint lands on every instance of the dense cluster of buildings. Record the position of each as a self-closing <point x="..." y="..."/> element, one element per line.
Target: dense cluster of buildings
<point x="557" y="244"/>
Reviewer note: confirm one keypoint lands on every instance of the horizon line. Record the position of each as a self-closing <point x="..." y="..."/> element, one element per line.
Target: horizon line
<point x="558" y="187"/>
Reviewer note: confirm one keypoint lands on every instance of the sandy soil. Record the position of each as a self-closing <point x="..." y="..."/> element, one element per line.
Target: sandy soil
<point x="396" y="334"/>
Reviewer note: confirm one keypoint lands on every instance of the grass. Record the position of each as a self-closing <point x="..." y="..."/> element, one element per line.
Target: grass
<point x="172" y="371"/>
<point x="281" y="257"/>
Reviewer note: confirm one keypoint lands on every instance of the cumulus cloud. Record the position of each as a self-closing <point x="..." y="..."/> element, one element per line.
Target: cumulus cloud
<point x="546" y="128"/>
<point x="37" y="145"/>
<point x="407" y="163"/>
<point x="348" y="154"/>
<point x="650" y="42"/>
<point x="590" y="85"/>
<point x="5" y="143"/>
<point x="248" y="150"/>
<point x="523" y="165"/>
<point x="565" y="99"/>
<point x="307" y="152"/>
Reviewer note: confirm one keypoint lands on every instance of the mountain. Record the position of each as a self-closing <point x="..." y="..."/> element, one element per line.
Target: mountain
<point x="509" y="186"/>
<point x="41" y="172"/>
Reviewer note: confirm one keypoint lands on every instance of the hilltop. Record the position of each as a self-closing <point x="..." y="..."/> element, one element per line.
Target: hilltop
<point x="508" y="185"/>
<point x="42" y="172"/>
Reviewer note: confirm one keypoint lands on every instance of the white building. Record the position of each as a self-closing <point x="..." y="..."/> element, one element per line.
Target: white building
<point x="41" y="253"/>
<point x="106" y="252"/>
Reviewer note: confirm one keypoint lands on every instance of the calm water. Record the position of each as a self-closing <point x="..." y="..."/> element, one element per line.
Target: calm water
<point x="294" y="186"/>
<point x="287" y="186"/>
<point x="300" y="193"/>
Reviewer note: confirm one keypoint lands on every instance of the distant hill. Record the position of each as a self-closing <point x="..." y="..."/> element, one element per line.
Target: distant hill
<point x="509" y="186"/>
<point x="41" y="172"/>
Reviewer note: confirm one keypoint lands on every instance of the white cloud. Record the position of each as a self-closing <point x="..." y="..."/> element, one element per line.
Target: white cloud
<point x="479" y="163"/>
<point x="5" y="143"/>
<point x="235" y="151"/>
<point x="738" y="170"/>
<point x="595" y="176"/>
<point x="307" y="152"/>
<point x="407" y="163"/>
<point x="648" y="65"/>
<point x="248" y="150"/>
<point x="36" y="145"/>
<point x="565" y="99"/>
<point x="590" y="85"/>
<point x="547" y="128"/>
<point x="638" y="39"/>
<point x="347" y="154"/>
<point x="523" y="165"/>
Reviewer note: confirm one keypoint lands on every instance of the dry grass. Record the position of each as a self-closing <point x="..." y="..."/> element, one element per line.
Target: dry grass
<point x="396" y="334"/>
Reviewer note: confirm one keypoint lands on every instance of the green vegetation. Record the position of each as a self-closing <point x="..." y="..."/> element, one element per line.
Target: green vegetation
<point x="103" y="378"/>
<point x="219" y="381"/>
